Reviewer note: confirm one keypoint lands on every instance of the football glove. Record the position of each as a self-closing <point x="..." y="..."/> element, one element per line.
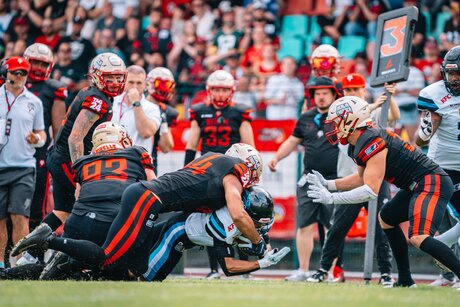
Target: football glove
<point x="426" y="128"/>
<point x="317" y="179"/>
<point x="273" y="257"/>
<point x="252" y="249"/>
<point x="319" y="194"/>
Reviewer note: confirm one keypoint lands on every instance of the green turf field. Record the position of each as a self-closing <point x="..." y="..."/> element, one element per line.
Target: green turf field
<point x="234" y="292"/>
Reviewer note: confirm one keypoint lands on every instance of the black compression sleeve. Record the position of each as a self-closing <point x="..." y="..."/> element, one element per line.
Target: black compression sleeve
<point x="189" y="156"/>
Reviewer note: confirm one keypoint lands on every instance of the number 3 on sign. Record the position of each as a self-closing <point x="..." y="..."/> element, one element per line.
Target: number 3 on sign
<point x="395" y="27"/>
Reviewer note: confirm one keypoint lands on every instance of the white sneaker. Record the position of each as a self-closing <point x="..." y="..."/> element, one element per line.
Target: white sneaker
<point x="26" y="259"/>
<point x="213" y="275"/>
<point x="298" y="275"/>
<point x="442" y="282"/>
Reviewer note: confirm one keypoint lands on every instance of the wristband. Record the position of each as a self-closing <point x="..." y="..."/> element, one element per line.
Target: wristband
<point x="189" y="156"/>
<point x="331" y="185"/>
<point x="39" y="143"/>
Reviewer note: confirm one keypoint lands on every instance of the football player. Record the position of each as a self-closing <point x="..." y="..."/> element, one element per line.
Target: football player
<point x="425" y="188"/>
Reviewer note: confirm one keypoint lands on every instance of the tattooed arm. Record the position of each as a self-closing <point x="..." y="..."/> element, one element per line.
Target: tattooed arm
<point x="85" y="120"/>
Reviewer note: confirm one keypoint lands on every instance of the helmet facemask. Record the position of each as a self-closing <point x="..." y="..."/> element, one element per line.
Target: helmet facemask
<point x="451" y="77"/>
<point x="37" y="72"/>
<point x="218" y="98"/>
<point x="161" y="90"/>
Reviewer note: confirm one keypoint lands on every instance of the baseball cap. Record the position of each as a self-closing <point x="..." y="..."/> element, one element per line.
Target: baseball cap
<point x="17" y="63"/>
<point x="323" y="82"/>
<point x="353" y="81"/>
<point x="21" y="21"/>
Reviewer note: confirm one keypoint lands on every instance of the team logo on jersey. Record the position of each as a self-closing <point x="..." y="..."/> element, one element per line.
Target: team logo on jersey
<point x="373" y="147"/>
<point x="230" y="227"/>
<point x="445" y="98"/>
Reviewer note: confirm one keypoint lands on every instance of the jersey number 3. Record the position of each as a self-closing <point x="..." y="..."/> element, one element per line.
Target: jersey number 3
<point x="110" y="169"/>
<point x="217" y="136"/>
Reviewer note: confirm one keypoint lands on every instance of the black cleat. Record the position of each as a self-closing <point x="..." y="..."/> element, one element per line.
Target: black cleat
<point x="24" y="272"/>
<point x="408" y="284"/>
<point x="60" y="267"/>
<point x="36" y="238"/>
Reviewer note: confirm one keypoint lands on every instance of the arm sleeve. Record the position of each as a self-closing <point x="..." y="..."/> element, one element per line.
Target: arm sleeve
<point x="39" y="122"/>
<point x="226" y="251"/>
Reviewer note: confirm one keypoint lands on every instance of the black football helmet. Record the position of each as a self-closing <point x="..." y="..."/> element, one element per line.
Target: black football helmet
<point x="450" y="64"/>
<point x="258" y="203"/>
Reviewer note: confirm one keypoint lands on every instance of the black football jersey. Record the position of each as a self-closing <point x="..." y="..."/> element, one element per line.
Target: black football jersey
<point x="89" y="98"/>
<point x="405" y="165"/>
<point x="219" y="128"/>
<point x="198" y="187"/>
<point x="48" y="91"/>
<point x="104" y="176"/>
<point x="169" y="115"/>
<point x="319" y="154"/>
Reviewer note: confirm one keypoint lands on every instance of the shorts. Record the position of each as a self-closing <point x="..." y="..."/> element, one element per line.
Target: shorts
<point x="409" y="115"/>
<point x="86" y="227"/>
<point x="63" y="182"/>
<point x="17" y="186"/>
<point x="424" y="207"/>
<point x="308" y="212"/>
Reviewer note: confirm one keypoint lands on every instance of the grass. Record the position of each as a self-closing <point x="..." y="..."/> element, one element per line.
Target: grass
<point x="230" y="292"/>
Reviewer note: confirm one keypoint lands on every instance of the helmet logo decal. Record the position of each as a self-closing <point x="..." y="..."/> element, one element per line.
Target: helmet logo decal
<point x="343" y="107"/>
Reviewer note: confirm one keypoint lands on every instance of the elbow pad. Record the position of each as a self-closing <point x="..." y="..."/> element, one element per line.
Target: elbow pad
<point x="359" y="195"/>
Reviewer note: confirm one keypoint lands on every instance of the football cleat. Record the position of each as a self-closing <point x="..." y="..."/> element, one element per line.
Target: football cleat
<point x="410" y="284"/>
<point x="320" y="276"/>
<point x="36" y="238"/>
<point x="24" y="272"/>
<point x="298" y="275"/>
<point x="213" y="275"/>
<point x="60" y="267"/>
<point x="27" y="259"/>
<point x="386" y="280"/>
<point x="441" y="281"/>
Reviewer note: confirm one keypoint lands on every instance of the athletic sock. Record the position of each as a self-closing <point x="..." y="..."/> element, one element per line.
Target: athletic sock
<point x="442" y="253"/>
<point x="53" y="221"/>
<point x="82" y="250"/>
<point x="400" y="250"/>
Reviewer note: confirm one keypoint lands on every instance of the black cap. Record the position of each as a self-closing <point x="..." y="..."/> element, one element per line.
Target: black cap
<point x="323" y="82"/>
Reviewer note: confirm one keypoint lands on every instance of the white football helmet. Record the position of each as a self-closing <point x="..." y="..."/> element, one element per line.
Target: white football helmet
<point x="160" y="84"/>
<point x="108" y="64"/>
<point x="345" y="115"/>
<point x="110" y="135"/>
<point x="251" y="158"/>
<point x="42" y="53"/>
<point x="325" y="58"/>
<point x="220" y="79"/>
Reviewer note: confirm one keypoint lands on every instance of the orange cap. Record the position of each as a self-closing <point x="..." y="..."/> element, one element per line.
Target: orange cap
<point x="353" y="81"/>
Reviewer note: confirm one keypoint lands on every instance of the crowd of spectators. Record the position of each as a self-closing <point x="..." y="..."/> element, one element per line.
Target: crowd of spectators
<point x="196" y="37"/>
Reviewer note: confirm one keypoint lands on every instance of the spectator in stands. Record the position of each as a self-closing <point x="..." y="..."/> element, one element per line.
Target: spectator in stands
<point x="451" y="34"/>
<point x="333" y="23"/>
<point x="50" y="36"/>
<point x="157" y="36"/>
<point x="226" y="41"/>
<point x="284" y="92"/>
<point x="419" y="38"/>
<point x="319" y="155"/>
<point x="243" y="94"/>
<point x="203" y="19"/>
<point x="254" y="53"/>
<point x="22" y="131"/>
<point x="108" y="21"/>
<point x="268" y="65"/>
<point x="82" y="49"/>
<point x="19" y="30"/>
<point x="178" y="22"/>
<point x="134" y="112"/>
<point x="232" y="66"/>
<point x="191" y="59"/>
<point x="107" y="43"/>
<point x="130" y="41"/>
<point x="5" y="17"/>
<point x="431" y="62"/>
<point x="363" y="17"/>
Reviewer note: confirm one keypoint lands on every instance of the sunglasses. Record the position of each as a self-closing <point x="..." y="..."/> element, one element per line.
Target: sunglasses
<point x="324" y="63"/>
<point x="21" y="73"/>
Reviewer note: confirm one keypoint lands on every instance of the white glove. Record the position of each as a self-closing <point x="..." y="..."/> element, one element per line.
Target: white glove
<point x="320" y="194"/>
<point x="317" y="179"/>
<point x="426" y="128"/>
<point x="273" y="257"/>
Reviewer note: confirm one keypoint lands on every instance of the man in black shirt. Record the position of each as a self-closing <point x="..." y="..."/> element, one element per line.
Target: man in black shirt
<point x="319" y="155"/>
<point x="425" y="189"/>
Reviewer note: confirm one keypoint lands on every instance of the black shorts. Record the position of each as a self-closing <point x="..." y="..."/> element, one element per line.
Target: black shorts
<point x="424" y="207"/>
<point x="85" y="227"/>
<point x="308" y="212"/>
<point x="169" y="243"/>
<point x="63" y="182"/>
<point x="132" y="228"/>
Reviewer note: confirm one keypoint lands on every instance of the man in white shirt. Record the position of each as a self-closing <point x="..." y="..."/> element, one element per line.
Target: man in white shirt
<point x="283" y="92"/>
<point x="140" y="118"/>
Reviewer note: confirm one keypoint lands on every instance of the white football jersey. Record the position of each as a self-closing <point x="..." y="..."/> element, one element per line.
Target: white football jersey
<point x="219" y="223"/>
<point x="444" y="145"/>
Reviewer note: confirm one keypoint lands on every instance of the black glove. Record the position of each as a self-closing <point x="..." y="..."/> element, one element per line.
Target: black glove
<point x="252" y="249"/>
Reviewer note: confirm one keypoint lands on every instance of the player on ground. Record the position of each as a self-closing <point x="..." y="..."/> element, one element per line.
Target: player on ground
<point x="380" y="154"/>
<point x="185" y="231"/>
<point x="209" y="183"/>
<point x="440" y="128"/>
